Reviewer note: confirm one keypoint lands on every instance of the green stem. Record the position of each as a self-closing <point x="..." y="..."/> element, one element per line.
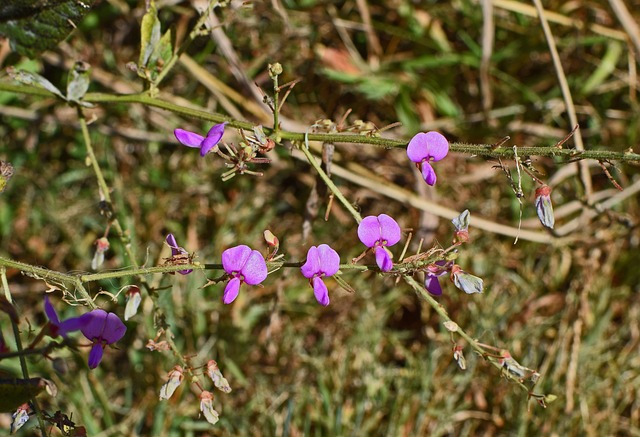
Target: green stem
<point x="422" y="293"/>
<point x="104" y="188"/>
<point x="483" y="150"/>
<point x="329" y="182"/>
<point x="195" y="32"/>
<point x="21" y="356"/>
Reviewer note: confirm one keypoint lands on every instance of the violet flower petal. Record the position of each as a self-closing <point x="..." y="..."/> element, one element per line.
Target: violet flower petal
<point x="213" y="138"/>
<point x="69" y="325"/>
<point x="383" y="258"/>
<point x="175" y="249"/>
<point x="417" y="150"/>
<point x="187" y="138"/>
<point x="94" y="324"/>
<point x="329" y="260"/>
<point x="95" y="356"/>
<point x="114" y="329"/>
<point x="312" y="264"/>
<point x="255" y="268"/>
<point x="389" y="229"/>
<point x="428" y="173"/>
<point x="320" y="291"/>
<point x="234" y="258"/>
<point x="432" y="284"/>
<point x="231" y="290"/>
<point x="50" y="311"/>
<point x="369" y="231"/>
<point x="437" y="145"/>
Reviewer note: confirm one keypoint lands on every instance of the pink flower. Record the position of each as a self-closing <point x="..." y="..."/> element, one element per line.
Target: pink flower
<point x="426" y="147"/>
<point x="379" y="233"/>
<point x="321" y="261"/>
<point x="205" y="144"/>
<point x="243" y="265"/>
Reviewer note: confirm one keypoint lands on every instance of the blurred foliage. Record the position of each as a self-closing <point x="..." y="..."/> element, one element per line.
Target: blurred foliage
<point x="378" y="361"/>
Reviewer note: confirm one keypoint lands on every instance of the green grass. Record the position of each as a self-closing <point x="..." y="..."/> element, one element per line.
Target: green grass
<point x="377" y="361"/>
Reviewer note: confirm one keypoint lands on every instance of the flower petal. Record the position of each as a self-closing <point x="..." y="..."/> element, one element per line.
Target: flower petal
<point x="329" y="260"/>
<point x="94" y="323"/>
<point x="50" y="311"/>
<point x="255" y="269"/>
<point x="213" y="138"/>
<point x="437" y="145"/>
<point x="432" y="285"/>
<point x="114" y="329"/>
<point x="369" y="231"/>
<point x="234" y="258"/>
<point x="231" y="290"/>
<point x="383" y="258"/>
<point x="320" y="291"/>
<point x="187" y="138"/>
<point x="95" y="356"/>
<point x="70" y="325"/>
<point x="312" y="266"/>
<point x="428" y="174"/>
<point x="389" y="229"/>
<point x="418" y="148"/>
<point x="175" y="249"/>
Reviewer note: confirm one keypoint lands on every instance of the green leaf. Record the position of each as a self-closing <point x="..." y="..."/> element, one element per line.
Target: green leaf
<point x="149" y="35"/>
<point x="28" y="78"/>
<point x="78" y="82"/>
<point x="37" y="25"/>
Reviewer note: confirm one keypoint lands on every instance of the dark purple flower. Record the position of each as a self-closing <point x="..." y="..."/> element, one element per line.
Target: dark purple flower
<point x="177" y="251"/>
<point x="321" y="261"/>
<point x="243" y="265"/>
<point x="57" y="327"/>
<point x="426" y="147"/>
<point x="435" y="270"/>
<point x="205" y="144"/>
<point x="101" y="328"/>
<point x="544" y="208"/>
<point x="379" y="233"/>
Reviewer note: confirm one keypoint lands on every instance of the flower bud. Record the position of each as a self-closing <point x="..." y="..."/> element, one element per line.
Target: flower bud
<point x="466" y="282"/>
<point x="544" y="207"/>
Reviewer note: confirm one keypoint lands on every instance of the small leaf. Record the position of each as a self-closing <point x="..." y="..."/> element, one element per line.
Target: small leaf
<point x="78" y="82"/>
<point x="149" y="34"/>
<point x="28" y="78"/>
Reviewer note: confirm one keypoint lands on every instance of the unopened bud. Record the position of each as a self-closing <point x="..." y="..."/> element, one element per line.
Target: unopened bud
<point x="466" y="282"/>
<point x="544" y="208"/>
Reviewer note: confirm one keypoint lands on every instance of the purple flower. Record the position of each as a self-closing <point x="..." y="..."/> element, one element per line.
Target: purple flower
<point x="205" y="144"/>
<point x="431" y="282"/>
<point x="321" y="261"/>
<point x="243" y="265"/>
<point x="425" y="147"/>
<point x="101" y="328"/>
<point x="57" y="327"/>
<point x="378" y="233"/>
<point x="544" y="208"/>
<point x="177" y="251"/>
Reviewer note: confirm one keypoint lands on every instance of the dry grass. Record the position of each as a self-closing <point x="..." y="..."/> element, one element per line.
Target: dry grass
<point x="377" y="362"/>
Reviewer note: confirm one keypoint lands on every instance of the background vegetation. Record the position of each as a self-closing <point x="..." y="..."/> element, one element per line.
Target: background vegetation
<point x="377" y="361"/>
